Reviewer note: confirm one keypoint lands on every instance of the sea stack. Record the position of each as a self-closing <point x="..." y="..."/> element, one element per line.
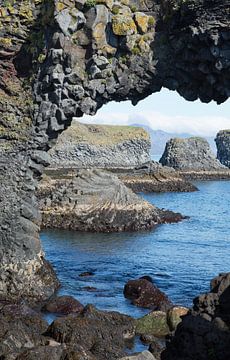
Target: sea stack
<point x="190" y="154"/>
<point x="101" y="146"/>
<point x="223" y="147"/>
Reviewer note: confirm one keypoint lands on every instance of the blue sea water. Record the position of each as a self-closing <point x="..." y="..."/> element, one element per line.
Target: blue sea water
<point x="181" y="258"/>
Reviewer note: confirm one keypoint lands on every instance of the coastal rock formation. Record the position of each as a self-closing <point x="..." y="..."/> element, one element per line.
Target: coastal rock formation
<point x="190" y="154"/>
<point x="204" y="333"/>
<point x="101" y="146"/>
<point x="97" y="201"/>
<point x="223" y="147"/>
<point x="60" y="59"/>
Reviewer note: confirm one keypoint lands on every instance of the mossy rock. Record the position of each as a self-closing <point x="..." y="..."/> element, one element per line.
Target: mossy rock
<point x="154" y="323"/>
<point x="123" y="25"/>
<point x="142" y="21"/>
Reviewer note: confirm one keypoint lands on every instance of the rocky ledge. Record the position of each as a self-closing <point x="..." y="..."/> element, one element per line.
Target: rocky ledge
<point x="153" y="177"/>
<point x="94" y="201"/>
<point x="223" y="147"/>
<point x="101" y="146"/>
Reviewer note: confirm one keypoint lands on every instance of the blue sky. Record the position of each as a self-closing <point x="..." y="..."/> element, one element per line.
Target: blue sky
<point x="169" y="112"/>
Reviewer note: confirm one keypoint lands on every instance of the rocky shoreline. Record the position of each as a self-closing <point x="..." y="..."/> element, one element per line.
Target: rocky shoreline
<point x="84" y="332"/>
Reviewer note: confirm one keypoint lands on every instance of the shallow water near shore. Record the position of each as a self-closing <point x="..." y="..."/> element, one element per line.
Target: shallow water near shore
<point x="182" y="258"/>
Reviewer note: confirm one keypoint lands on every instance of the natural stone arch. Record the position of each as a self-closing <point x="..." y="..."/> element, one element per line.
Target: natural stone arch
<point x="60" y="59"/>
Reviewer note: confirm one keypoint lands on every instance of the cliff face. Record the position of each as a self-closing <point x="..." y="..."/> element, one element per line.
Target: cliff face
<point x="190" y="154"/>
<point x="60" y="59"/>
<point x="101" y="146"/>
<point x="223" y="147"/>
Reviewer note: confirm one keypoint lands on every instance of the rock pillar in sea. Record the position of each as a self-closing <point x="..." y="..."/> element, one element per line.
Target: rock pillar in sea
<point x="192" y="154"/>
<point x="60" y="59"/>
<point x="223" y="147"/>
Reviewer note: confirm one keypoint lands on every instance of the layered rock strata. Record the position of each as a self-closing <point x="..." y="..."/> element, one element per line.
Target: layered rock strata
<point x="223" y="147"/>
<point x="101" y="146"/>
<point x="192" y="154"/>
<point x="97" y="201"/>
<point x="153" y="177"/>
<point x="60" y="59"/>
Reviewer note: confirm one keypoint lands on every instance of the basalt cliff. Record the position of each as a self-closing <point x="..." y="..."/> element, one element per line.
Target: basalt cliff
<point x="60" y="59"/>
<point x="101" y="146"/>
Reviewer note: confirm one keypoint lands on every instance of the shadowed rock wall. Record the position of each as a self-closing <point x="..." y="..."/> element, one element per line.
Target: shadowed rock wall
<point x="60" y="59"/>
<point x="223" y="147"/>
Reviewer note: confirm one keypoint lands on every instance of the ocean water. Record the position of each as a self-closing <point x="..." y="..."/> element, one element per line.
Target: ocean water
<point x="181" y="258"/>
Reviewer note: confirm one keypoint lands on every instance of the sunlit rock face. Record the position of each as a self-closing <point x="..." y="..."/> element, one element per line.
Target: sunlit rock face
<point x="223" y="147"/>
<point x="60" y="59"/>
<point x="191" y="154"/>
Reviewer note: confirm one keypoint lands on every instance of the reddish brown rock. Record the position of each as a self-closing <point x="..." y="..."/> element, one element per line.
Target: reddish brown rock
<point x="64" y="305"/>
<point x="145" y="294"/>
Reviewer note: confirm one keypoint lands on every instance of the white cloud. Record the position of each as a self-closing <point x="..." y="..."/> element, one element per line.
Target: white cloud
<point x="196" y="125"/>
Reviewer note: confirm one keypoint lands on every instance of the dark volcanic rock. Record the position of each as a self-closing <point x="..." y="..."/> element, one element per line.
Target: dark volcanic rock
<point x="223" y="147"/>
<point x="64" y="305"/>
<point x="101" y="333"/>
<point x="205" y="332"/>
<point x="144" y="293"/>
<point x="20" y="328"/>
<point x="190" y="154"/>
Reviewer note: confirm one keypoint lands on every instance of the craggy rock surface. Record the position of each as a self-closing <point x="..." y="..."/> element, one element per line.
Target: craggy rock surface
<point x="101" y="146"/>
<point x="190" y="154"/>
<point x="102" y="334"/>
<point x="91" y="335"/>
<point x="223" y="147"/>
<point x="205" y="332"/>
<point x="60" y="59"/>
<point x="144" y="293"/>
<point x="97" y="201"/>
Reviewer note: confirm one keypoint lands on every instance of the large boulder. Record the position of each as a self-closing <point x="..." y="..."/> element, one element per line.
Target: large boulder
<point x="223" y="147"/>
<point x="102" y="334"/>
<point x="144" y="293"/>
<point x="204" y="332"/>
<point x="192" y="154"/>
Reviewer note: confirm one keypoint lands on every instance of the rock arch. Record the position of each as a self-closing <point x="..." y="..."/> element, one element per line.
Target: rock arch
<point x="60" y="59"/>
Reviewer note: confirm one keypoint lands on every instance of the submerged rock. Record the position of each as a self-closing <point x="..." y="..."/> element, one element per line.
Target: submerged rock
<point x="144" y="293"/>
<point x="190" y="154"/>
<point x="223" y="147"/>
<point x="97" y="201"/>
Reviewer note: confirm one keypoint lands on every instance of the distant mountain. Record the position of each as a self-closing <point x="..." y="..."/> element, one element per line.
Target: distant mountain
<point x="160" y="137"/>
